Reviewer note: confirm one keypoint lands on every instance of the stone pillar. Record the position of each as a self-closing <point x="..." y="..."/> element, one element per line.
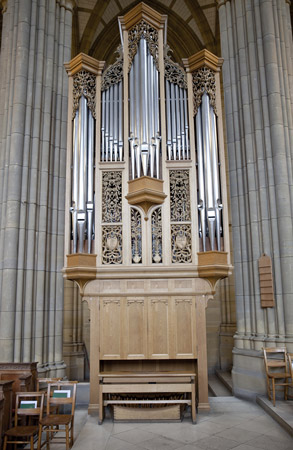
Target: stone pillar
<point x="256" y="41"/>
<point x="36" y="40"/>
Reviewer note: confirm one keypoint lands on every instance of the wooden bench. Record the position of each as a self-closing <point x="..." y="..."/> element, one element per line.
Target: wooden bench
<point x="6" y="393"/>
<point x="146" y="383"/>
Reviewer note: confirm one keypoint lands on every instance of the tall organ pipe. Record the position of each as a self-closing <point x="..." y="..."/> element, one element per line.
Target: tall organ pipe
<point x="168" y="104"/>
<point x="115" y="132"/>
<point x="177" y="122"/>
<point x="157" y="120"/>
<point x="200" y="176"/>
<point x="73" y="208"/>
<point x="82" y="208"/>
<point x="206" y="125"/>
<point x="90" y="180"/>
<point x="216" y="178"/>
<point x="81" y="218"/>
<point x="144" y="128"/>
<point x="120" y="136"/>
<point x="208" y="174"/>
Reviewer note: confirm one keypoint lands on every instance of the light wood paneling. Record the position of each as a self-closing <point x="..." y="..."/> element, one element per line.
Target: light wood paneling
<point x="110" y="328"/>
<point x="184" y="329"/>
<point x="135" y="314"/>
<point x="159" y="327"/>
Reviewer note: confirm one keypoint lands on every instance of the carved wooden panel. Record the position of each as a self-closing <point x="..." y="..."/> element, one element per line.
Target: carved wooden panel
<point x="159" y="327"/>
<point x="135" y="328"/>
<point x="184" y="328"/>
<point x="110" y="328"/>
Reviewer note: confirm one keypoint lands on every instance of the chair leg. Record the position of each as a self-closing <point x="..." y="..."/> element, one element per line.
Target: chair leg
<point x="32" y="442"/>
<point x="269" y="388"/>
<point x="67" y="437"/>
<point x="48" y="438"/>
<point x="5" y="442"/>
<point x="274" y="392"/>
<point x="40" y="437"/>
<point x="72" y="433"/>
<point x="286" y="391"/>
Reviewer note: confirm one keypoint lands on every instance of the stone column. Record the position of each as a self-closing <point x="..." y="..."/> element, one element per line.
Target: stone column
<point x="36" y="41"/>
<point x="256" y="41"/>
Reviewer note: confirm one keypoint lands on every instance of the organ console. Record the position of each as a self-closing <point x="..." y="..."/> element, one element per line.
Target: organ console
<point x="146" y="227"/>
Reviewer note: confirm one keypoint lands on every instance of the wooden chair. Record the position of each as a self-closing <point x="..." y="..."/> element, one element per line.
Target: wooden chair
<point x="42" y="383"/>
<point x="27" y="405"/>
<point x="277" y="374"/>
<point x="290" y="364"/>
<point x="59" y="393"/>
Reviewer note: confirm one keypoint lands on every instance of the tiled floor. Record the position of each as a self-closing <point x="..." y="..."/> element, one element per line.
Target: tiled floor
<point x="231" y="424"/>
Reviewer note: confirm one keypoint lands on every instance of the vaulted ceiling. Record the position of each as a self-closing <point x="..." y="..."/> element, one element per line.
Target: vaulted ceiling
<point x="192" y="26"/>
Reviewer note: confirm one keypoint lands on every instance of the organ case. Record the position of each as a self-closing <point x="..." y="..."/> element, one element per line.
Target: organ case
<point x="146" y="206"/>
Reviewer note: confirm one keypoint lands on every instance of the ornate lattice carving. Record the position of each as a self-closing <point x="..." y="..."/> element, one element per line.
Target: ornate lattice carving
<point x="84" y="83"/>
<point x="114" y="73"/>
<point x="173" y="71"/>
<point x="203" y="80"/>
<point x="112" y="197"/>
<point x="181" y="243"/>
<point x="157" y="236"/>
<point x="150" y="34"/>
<point x="112" y="244"/>
<point x="179" y="195"/>
<point x="136" y="234"/>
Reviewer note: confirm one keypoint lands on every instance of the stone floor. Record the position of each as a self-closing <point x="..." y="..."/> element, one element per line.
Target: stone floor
<point x="231" y="424"/>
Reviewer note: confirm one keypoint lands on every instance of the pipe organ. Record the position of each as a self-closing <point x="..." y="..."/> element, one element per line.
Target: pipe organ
<point x="146" y="212"/>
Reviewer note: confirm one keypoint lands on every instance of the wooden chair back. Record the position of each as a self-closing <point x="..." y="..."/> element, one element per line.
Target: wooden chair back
<point x="28" y="404"/>
<point x="275" y="358"/>
<point x="42" y="383"/>
<point x="65" y="396"/>
<point x="290" y="363"/>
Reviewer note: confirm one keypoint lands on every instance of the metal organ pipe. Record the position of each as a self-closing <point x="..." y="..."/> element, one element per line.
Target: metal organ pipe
<point x="75" y="158"/>
<point x="82" y="207"/>
<point x="90" y="181"/>
<point x="112" y="123"/>
<point x="216" y="178"/>
<point x="168" y="115"/>
<point x="177" y="122"/>
<point x="208" y="175"/>
<point x="157" y="120"/>
<point x="200" y="177"/>
<point x="144" y="123"/>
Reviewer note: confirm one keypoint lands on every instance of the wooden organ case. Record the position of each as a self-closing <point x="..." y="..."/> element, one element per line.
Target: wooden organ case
<point x="146" y="216"/>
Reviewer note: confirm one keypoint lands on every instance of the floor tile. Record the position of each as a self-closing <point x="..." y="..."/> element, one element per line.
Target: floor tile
<point x="135" y="436"/>
<point x="216" y="443"/>
<point x="269" y="443"/>
<point x="161" y="443"/>
<point x="117" y="444"/>
<point x="238" y="435"/>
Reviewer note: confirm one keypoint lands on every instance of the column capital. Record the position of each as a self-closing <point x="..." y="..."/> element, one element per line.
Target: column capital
<point x="3" y="5"/>
<point x="221" y="3"/>
<point x="67" y="4"/>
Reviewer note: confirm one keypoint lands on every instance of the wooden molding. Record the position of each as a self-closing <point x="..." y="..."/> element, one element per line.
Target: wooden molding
<point x="81" y="260"/>
<point x="84" y="62"/>
<point x="204" y="58"/>
<point x="145" y="192"/>
<point x="81" y="267"/>
<point x="213" y="266"/>
<point x="145" y="12"/>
